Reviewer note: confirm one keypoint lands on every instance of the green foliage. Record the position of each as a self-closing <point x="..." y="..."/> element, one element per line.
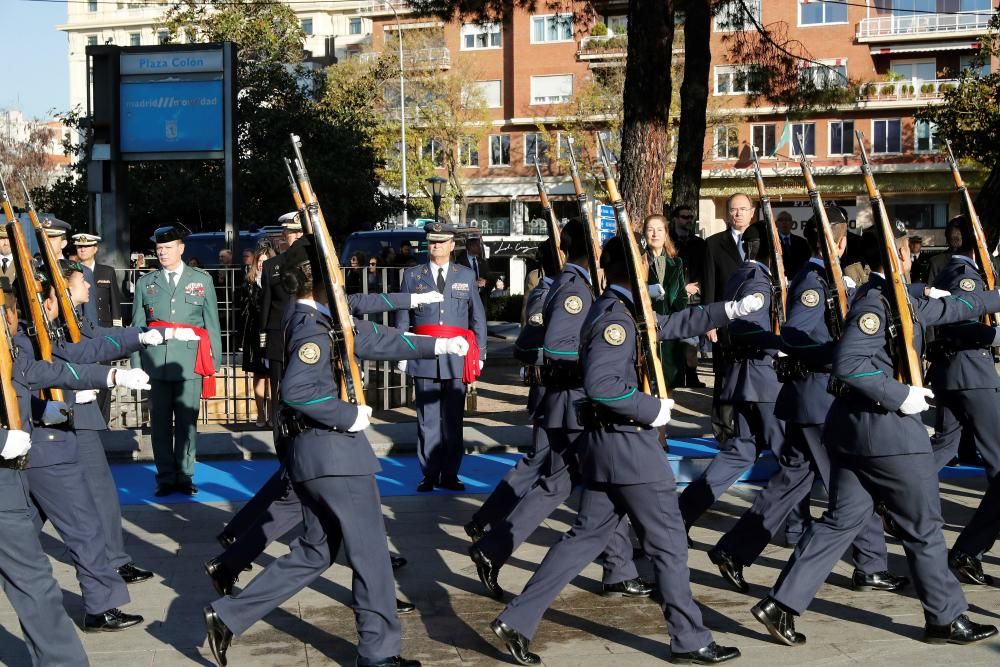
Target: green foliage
<point x="598" y="30"/>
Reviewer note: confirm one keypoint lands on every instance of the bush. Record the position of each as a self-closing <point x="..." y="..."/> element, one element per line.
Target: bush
<point x="869" y="90"/>
<point x="927" y="88"/>
<point x="888" y="90"/>
<point x="504" y="308"/>
<point x="598" y="30"/>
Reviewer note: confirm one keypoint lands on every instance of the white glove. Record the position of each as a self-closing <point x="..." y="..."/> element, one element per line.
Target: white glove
<point x="362" y="422"/>
<point x="86" y="396"/>
<point x="935" y="293"/>
<point x="55" y="412"/>
<point x="457" y="345"/>
<point x="663" y="417"/>
<point x="849" y="282"/>
<point x="426" y="298"/>
<point x="481" y="364"/>
<point x="656" y="291"/>
<point x="748" y="304"/>
<point x="150" y="338"/>
<point x="181" y="334"/>
<point x="18" y="443"/>
<point x="916" y="400"/>
<point x="132" y="378"/>
<point x="781" y="354"/>
<point x="401" y="365"/>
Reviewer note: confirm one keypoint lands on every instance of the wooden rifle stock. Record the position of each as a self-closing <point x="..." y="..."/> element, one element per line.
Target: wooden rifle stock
<point x="550" y="217"/>
<point x="10" y="416"/>
<point x="828" y="248"/>
<point x="349" y="376"/>
<point x="68" y="312"/>
<point x="650" y="369"/>
<point x="593" y="245"/>
<point x="907" y="360"/>
<point x="300" y="205"/>
<point x="983" y="255"/>
<point x="779" y="286"/>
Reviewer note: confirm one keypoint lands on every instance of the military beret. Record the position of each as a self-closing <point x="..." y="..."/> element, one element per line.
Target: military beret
<point x="85" y="239"/>
<point x="169" y="233"/>
<point x="439" y="231"/>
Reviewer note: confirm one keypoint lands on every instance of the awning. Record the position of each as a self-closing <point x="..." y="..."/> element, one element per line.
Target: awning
<point x="921" y="47"/>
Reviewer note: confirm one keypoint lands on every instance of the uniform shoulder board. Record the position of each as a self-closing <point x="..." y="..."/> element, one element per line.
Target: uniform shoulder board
<point x="869" y="323"/>
<point x="573" y="305"/>
<point x="614" y="334"/>
<point x="967" y="285"/>
<point x="810" y="298"/>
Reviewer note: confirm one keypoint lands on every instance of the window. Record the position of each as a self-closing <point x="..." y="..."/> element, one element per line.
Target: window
<point x="91" y="40"/>
<point x="499" y="150"/>
<point x="490" y="92"/>
<point x="735" y="80"/>
<point x="91" y="5"/>
<point x="734" y="17"/>
<point x="842" y="137"/>
<point x="617" y="25"/>
<point x="925" y="70"/>
<point x="433" y="150"/>
<point x="468" y="152"/>
<point x="134" y="39"/>
<point x="980" y="65"/>
<point x="307" y="26"/>
<point x="763" y="139"/>
<point x="908" y="8"/>
<point x="727" y="142"/>
<point x="480" y="36"/>
<point x="611" y="142"/>
<point x="808" y="132"/>
<point x="887" y="136"/>
<point x="551" y="89"/>
<point x="162" y="37"/>
<point x="926" y="137"/>
<point x="825" y="74"/>
<point x="536" y="150"/>
<point x="812" y="12"/>
<point x="557" y="28"/>
<point x="354" y="27"/>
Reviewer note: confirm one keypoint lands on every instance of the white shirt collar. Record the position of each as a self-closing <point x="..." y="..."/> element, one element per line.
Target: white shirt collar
<point x="91" y="265"/>
<point x="316" y="306"/>
<point x="177" y="272"/>
<point x="434" y="269"/>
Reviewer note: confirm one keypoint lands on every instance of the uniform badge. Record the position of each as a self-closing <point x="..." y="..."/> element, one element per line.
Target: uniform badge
<point x="968" y="285"/>
<point x="536" y="320"/>
<point x="309" y="353"/>
<point x="810" y="298"/>
<point x="614" y="334"/>
<point x="573" y="304"/>
<point x="869" y="323"/>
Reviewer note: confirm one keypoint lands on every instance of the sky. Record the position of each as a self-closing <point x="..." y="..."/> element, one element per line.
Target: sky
<point x="34" y="64"/>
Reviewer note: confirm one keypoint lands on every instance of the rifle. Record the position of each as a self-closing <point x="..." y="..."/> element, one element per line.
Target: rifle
<point x="553" y="223"/>
<point x="983" y="255"/>
<point x="836" y="301"/>
<point x="348" y="376"/>
<point x="901" y="315"/>
<point x="650" y="368"/>
<point x="300" y="205"/>
<point x="779" y="289"/>
<point x="10" y="415"/>
<point x="66" y="310"/>
<point x="593" y="246"/>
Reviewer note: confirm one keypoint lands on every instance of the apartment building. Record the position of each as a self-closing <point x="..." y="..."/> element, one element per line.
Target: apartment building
<point x="16" y="129"/>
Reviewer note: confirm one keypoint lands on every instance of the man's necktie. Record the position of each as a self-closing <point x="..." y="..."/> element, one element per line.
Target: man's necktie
<point x="172" y="279"/>
<point x="440" y="281"/>
<point x="475" y="267"/>
<point x="5" y="263"/>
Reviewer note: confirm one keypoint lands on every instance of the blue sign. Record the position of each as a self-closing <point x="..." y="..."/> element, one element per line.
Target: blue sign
<point x="605" y="235"/>
<point x="172" y="116"/>
<point x="605" y="211"/>
<point x="607" y="224"/>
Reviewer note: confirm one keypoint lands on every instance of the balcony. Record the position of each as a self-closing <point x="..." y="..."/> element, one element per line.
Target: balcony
<point x="385" y="8"/>
<point x="438" y="57"/>
<point x="911" y="92"/>
<point x="603" y="50"/>
<point x="923" y="26"/>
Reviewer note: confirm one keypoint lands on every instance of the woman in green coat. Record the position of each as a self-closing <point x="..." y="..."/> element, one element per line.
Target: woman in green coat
<point x="666" y="269"/>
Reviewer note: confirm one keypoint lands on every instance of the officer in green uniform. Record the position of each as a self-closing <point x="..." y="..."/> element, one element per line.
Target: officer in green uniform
<point x="181" y="299"/>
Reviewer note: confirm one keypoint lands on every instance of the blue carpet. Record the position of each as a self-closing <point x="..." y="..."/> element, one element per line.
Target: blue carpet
<point x="236" y="481"/>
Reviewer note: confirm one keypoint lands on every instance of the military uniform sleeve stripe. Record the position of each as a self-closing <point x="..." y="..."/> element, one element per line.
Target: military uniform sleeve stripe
<point x="616" y="398"/>
<point x="570" y="352"/>
<point x="412" y="346"/>
<point x="386" y="299"/>
<point x="73" y="371"/>
<point x="864" y="375"/>
<point x="969" y="305"/>
<point x="312" y="402"/>
<point x="114" y="341"/>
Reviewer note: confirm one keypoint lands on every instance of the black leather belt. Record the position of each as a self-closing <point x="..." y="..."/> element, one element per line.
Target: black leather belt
<point x="16" y="463"/>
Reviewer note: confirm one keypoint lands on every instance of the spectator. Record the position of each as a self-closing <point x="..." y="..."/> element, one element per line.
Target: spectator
<point x="794" y="249"/>
<point x="374" y="275"/>
<point x="249" y="300"/>
<point x="472" y="257"/>
<point x="666" y="269"/>
<point x="405" y="257"/>
<point x="937" y="262"/>
<point x="355" y="273"/>
<point x="691" y="249"/>
<point x="248" y="255"/>
<point x="194" y="262"/>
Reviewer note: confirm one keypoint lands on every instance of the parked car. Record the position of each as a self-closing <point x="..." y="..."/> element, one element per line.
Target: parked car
<point x="374" y="242"/>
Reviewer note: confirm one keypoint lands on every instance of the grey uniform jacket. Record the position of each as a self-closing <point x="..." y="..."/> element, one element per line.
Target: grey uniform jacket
<point x="752" y="378"/>
<point x="566" y="306"/>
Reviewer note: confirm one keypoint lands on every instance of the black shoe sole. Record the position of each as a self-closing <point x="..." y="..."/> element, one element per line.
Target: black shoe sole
<point x="695" y="661"/>
<point x="766" y="622"/>
<point x="967" y="578"/>
<point x="622" y="594"/>
<point x="219" y="660"/>
<point x="945" y="640"/>
<point x="137" y="580"/>
<point x="878" y="589"/>
<point x="107" y="628"/>
<point x="500" y="636"/>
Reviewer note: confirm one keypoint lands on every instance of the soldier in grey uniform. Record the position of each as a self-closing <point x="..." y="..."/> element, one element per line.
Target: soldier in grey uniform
<point x="441" y="383"/>
<point x="880" y="452"/>
<point x="332" y="468"/>
<point x="625" y="472"/>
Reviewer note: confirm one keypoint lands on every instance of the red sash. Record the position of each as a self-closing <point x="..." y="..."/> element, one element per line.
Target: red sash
<point x="471" y="369"/>
<point x="203" y="364"/>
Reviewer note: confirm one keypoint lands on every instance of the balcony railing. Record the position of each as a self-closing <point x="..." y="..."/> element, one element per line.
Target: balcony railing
<point x="910" y="89"/>
<point x="433" y="57"/>
<point x="603" y="47"/>
<point x="385" y="7"/>
<point x="918" y="25"/>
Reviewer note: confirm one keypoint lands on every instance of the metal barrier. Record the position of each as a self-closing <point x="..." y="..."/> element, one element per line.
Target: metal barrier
<point x="233" y="403"/>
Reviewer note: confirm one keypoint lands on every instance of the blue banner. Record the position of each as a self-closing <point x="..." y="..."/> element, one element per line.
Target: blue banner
<point x="172" y="116"/>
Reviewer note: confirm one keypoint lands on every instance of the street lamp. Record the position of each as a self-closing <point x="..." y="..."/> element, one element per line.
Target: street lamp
<point x="402" y="109"/>
<point x="436" y="184"/>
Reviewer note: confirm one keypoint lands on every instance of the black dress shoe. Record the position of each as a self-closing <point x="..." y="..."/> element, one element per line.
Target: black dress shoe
<point x="397" y="562"/>
<point x="404" y="607"/>
<point x="778" y="621"/>
<point x="889" y="524"/>
<point x="712" y="654"/>
<point x="188" y="489"/>
<point x="473" y="530"/>
<point x="132" y="574"/>
<point x="633" y="588"/>
<point x="969" y="568"/>
<point x="487" y="572"/>
<point x="219" y="636"/>
<point x="110" y="621"/>
<point x="394" y="661"/>
<point x="730" y="570"/>
<point x="222" y="578"/>
<point x="517" y="644"/>
<point x="451" y="484"/>
<point x="878" y="581"/>
<point x="959" y="631"/>
<point x="163" y="490"/>
<point x="426" y="485"/>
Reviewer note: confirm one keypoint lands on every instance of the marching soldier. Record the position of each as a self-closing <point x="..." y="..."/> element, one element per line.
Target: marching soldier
<point x="881" y="453"/>
<point x="625" y="472"/>
<point x="441" y="383"/>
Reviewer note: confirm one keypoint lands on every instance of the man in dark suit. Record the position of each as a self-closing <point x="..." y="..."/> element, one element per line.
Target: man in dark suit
<point x="794" y="249"/>
<point x="691" y="249"/>
<point x="472" y="257"/>
<point x="273" y="302"/>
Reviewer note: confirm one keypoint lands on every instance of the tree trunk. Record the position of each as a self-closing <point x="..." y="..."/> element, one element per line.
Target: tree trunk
<point x="694" y="103"/>
<point x="987" y="204"/>
<point x="645" y="127"/>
